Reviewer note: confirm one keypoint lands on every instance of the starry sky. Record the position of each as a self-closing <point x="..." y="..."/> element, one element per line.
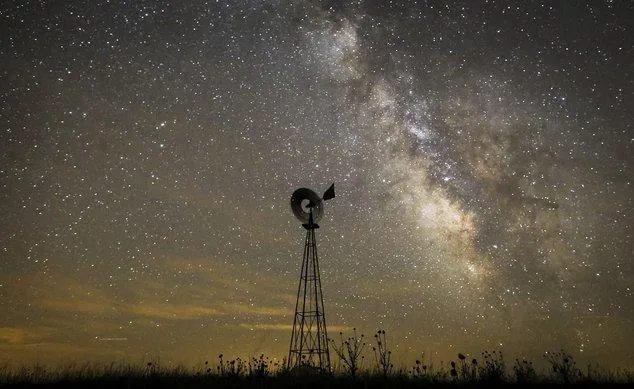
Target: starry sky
<point x="482" y="155"/>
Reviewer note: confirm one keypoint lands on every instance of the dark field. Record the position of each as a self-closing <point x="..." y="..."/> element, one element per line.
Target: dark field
<point x="262" y="373"/>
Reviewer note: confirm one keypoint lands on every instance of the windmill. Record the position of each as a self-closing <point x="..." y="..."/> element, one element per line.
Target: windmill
<point x="309" y="339"/>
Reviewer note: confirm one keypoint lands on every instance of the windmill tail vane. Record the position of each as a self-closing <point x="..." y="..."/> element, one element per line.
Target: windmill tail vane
<point x="329" y="193"/>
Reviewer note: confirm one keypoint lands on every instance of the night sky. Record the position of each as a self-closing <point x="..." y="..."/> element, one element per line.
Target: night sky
<point x="481" y="152"/>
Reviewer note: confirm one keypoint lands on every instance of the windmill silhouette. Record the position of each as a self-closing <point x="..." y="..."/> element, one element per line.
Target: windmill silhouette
<point x="309" y="339"/>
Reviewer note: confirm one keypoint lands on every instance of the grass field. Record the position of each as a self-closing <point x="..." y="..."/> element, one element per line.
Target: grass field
<point x="261" y="372"/>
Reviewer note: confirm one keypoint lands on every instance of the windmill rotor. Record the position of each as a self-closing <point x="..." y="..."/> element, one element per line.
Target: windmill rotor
<point x="305" y="201"/>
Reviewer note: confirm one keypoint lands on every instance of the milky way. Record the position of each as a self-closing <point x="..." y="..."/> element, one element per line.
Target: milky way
<point x="481" y="153"/>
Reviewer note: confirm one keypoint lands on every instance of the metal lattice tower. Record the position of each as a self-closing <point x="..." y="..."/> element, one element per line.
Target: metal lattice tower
<point x="309" y="339"/>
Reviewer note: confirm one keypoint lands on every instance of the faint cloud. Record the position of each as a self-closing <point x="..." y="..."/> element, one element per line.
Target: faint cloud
<point x="273" y="327"/>
<point x="262" y="310"/>
<point x="172" y="311"/>
<point x="289" y="327"/>
<point x="89" y="306"/>
<point x="13" y="335"/>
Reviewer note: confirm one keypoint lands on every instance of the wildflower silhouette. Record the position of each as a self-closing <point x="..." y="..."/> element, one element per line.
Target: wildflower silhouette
<point x="382" y="355"/>
<point x="349" y="351"/>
